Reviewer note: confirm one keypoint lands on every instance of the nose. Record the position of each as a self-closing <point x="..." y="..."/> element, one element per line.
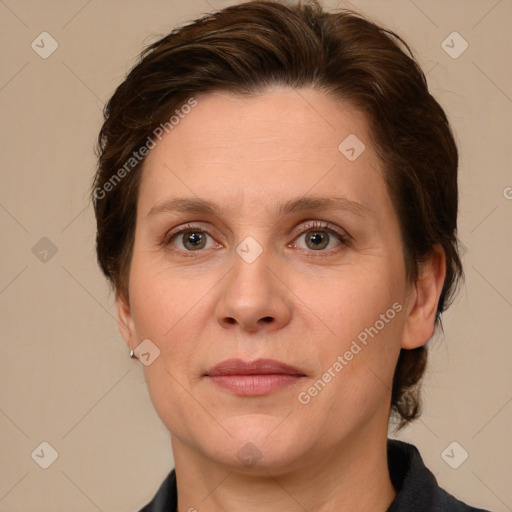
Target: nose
<point x="253" y="297"/>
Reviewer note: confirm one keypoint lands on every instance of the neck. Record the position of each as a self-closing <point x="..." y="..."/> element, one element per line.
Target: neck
<point x="353" y="477"/>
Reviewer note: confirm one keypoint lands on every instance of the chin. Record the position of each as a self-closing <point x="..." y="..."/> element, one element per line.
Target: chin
<point x="259" y="443"/>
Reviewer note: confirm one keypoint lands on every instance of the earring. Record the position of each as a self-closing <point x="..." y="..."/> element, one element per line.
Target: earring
<point x="132" y="353"/>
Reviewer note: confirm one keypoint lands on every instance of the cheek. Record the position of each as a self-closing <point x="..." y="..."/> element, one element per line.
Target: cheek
<point x="362" y="318"/>
<point x="345" y="303"/>
<point x="167" y="313"/>
<point x="163" y="302"/>
<point x="171" y="398"/>
<point x="356" y="367"/>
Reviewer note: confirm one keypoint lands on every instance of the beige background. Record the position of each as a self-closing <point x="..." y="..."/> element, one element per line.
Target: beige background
<point x="66" y="375"/>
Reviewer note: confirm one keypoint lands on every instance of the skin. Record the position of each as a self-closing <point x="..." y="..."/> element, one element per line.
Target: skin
<point x="295" y="303"/>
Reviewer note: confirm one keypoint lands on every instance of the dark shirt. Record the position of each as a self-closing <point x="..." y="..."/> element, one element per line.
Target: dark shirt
<point x="417" y="488"/>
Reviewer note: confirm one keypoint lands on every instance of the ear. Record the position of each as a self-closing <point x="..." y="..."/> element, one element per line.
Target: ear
<point x="427" y="290"/>
<point x="125" y="320"/>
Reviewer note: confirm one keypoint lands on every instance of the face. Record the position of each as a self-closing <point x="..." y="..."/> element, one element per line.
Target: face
<point x="257" y="237"/>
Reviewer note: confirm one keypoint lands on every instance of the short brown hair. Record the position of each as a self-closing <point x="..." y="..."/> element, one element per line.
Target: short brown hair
<point x="248" y="47"/>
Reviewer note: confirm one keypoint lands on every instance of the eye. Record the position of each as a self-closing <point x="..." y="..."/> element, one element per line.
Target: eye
<point x="189" y="239"/>
<point x="318" y="236"/>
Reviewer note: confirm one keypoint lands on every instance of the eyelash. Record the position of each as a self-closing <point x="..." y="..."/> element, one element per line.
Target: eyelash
<point x="344" y="237"/>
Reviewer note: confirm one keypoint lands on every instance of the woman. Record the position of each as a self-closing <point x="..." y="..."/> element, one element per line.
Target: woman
<point x="276" y="204"/>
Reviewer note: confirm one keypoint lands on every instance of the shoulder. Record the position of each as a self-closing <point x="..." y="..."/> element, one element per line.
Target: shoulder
<point x="417" y="488"/>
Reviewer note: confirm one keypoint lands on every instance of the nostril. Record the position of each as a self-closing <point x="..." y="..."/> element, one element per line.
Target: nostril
<point x="267" y="319"/>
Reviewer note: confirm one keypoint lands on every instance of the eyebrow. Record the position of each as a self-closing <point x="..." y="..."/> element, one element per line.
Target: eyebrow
<point x="300" y="204"/>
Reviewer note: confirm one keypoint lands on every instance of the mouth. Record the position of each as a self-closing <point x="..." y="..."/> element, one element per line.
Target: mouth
<point x="253" y="378"/>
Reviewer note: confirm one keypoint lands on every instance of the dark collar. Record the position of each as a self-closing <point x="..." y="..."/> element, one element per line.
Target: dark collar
<point x="417" y="488"/>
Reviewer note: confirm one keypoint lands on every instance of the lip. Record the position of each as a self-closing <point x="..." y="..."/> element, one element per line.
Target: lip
<point x="253" y="378"/>
<point x="257" y="367"/>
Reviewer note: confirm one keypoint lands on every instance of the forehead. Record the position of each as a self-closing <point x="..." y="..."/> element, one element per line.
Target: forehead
<point x="300" y="118"/>
<point x="283" y="141"/>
